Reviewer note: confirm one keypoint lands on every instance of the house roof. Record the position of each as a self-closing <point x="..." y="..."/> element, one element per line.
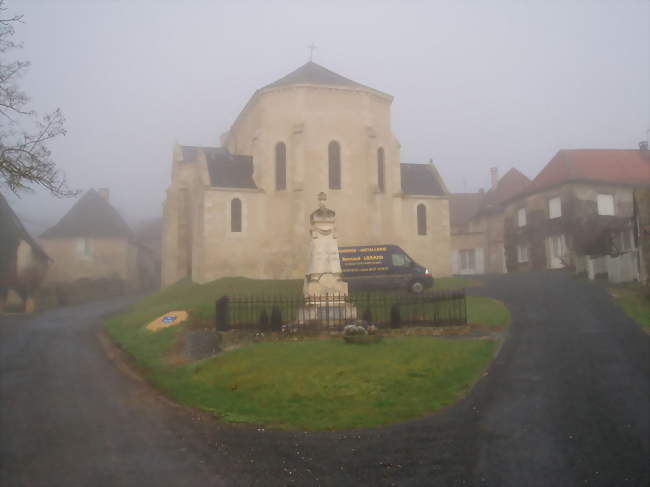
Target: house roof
<point x="619" y="166"/>
<point x="421" y="179"/>
<point x="512" y="183"/>
<point x="463" y="206"/>
<point x="13" y="229"/>
<point x="314" y="74"/>
<point x="90" y="216"/>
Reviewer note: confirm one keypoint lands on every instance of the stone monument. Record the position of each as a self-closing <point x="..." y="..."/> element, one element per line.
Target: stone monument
<point x="324" y="290"/>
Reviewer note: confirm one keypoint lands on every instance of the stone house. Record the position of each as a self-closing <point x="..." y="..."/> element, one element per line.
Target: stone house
<point x="23" y="262"/>
<point x="92" y="242"/>
<point x="242" y="209"/>
<point x="477" y="225"/>
<point x="578" y="213"/>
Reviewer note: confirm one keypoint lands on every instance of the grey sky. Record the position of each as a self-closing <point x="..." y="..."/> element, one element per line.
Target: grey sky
<point x="476" y="84"/>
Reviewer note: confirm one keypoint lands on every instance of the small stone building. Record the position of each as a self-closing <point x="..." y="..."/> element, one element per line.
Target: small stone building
<point x="23" y="262"/>
<point x="242" y="209"/>
<point x="578" y="213"/>
<point x="92" y="242"/>
<point x="477" y="225"/>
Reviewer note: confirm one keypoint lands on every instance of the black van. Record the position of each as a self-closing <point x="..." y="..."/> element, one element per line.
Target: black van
<point x="382" y="267"/>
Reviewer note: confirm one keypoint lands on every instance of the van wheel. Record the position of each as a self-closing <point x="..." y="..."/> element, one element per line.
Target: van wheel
<point x="416" y="287"/>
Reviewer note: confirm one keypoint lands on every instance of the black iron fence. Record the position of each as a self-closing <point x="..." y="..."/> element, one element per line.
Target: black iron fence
<point x="334" y="311"/>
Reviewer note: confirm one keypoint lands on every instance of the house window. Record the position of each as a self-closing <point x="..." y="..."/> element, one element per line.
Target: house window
<point x="84" y="247"/>
<point x="521" y="217"/>
<point x="624" y="241"/>
<point x="605" y="204"/>
<point x="467" y="260"/>
<point x="557" y="246"/>
<point x="235" y="215"/>
<point x="380" y="169"/>
<point x="280" y="166"/>
<point x="334" y="159"/>
<point x="522" y="253"/>
<point x="422" y="219"/>
<point x="554" y="208"/>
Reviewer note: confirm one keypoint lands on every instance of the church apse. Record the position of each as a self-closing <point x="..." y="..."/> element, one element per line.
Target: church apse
<point x="312" y="131"/>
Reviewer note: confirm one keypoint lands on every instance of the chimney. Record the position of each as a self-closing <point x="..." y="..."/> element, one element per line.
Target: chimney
<point x="103" y="192"/>
<point x="643" y="148"/>
<point x="494" y="176"/>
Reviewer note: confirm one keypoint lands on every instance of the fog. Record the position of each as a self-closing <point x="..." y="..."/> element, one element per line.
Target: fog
<point x="476" y="84"/>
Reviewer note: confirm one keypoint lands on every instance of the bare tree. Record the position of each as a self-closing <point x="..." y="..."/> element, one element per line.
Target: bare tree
<point x="25" y="158"/>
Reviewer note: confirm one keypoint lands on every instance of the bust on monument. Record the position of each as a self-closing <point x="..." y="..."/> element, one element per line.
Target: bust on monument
<point x="324" y="269"/>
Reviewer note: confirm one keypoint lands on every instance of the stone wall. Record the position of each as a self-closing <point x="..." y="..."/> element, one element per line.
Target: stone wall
<point x="107" y="258"/>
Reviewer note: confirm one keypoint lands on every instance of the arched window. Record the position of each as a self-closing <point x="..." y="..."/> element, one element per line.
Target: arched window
<point x="422" y="219"/>
<point x="280" y="166"/>
<point x="235" y="215"/>
<point x="380" y="169"/>
<point x="334" y="158"/>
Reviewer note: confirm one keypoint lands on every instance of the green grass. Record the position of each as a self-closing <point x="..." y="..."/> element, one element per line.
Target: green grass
<point x="325" y="384"/>
<point x="455" y="283"/>
<point x="634" y="301"/>
<point x="312" y="385"/>
<point x="487" y="311"/>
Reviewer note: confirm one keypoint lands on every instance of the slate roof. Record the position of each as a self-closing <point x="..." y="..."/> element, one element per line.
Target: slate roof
<point x="420" y="179"/>
<point x="13" y="230"/>
<point x="91" y="216"/>
<point x="226" y="170"/>
<point x="620" y="166"/>
<point x="314" y="74"/>
<point x="190" y="153"/>
<point x="230" y="171"/>
<point x="463" y="206"/>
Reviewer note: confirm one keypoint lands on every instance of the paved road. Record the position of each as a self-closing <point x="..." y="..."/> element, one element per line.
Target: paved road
<point x="565" y="403"/>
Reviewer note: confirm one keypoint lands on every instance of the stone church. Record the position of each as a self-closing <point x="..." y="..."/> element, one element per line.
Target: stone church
<point x="242" y="209"/>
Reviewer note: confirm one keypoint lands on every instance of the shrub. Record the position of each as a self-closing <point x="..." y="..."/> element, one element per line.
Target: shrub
<point x="395" y="316"/>
<point x="264" y="320"/>
<point x="276" y="318"/>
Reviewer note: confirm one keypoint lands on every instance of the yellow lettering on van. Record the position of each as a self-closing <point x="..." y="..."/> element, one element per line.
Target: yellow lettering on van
<point x="373" y="257"/>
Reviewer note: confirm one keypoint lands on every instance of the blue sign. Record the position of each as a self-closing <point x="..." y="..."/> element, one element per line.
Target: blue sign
<point x="169" y="319"/>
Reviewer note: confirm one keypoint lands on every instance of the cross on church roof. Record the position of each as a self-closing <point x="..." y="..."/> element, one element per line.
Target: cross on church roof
<point x="311" y="48"/>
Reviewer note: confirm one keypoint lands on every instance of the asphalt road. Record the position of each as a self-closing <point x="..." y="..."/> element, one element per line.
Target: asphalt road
<point x="565" y="403"/>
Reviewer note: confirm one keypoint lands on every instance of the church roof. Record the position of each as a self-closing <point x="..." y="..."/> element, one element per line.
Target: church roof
<point x="421" y="179"/>
<point x="226" y="170"/>
<point x="91" y="216"/>
<point x="230" y="171"/>
<point x="315" y="74"/>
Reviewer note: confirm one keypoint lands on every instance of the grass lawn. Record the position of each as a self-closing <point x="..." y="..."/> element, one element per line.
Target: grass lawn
<point x="634" y="301"/>
<point x="487" y="311"/>
<point x="313" y="384"/>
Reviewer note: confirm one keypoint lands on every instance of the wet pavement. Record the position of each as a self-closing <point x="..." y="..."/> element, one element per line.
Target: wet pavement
<point x="565" y="403"/>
